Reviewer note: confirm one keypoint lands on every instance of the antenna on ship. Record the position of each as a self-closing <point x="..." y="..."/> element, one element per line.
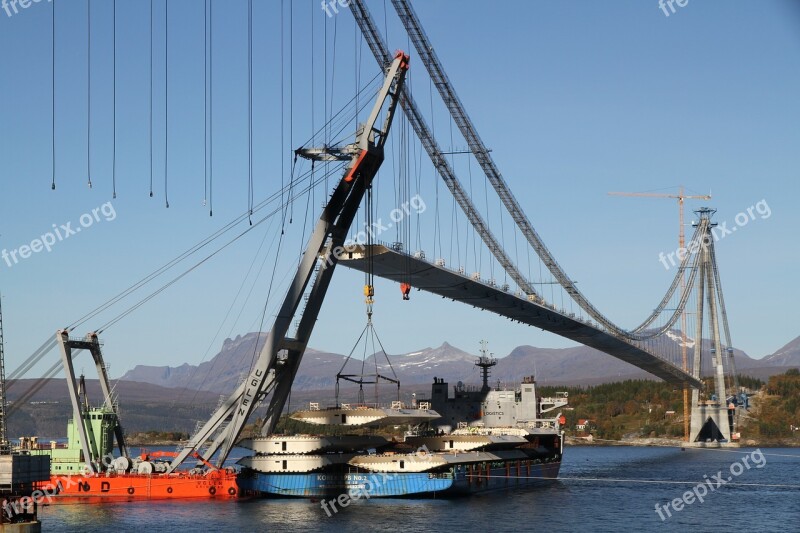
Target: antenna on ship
<point x="5" y="448"/>
<point x="485" y="362"/>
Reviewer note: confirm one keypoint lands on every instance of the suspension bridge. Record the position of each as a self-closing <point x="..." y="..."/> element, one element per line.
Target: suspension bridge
<point x="655" y="345"/>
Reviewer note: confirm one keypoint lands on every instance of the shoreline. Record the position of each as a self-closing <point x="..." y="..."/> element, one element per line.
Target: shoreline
<point x="672" y="443"/>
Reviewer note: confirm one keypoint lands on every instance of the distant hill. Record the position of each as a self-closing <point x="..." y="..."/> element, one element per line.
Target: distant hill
<point x="788" y="356"/>
<point x="579" y="365"/>
<point x="143" y="407"/>
<point x="175" y="398"/>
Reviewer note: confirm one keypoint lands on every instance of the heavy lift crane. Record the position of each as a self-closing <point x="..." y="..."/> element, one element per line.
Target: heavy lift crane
<point x="277" y="364"/>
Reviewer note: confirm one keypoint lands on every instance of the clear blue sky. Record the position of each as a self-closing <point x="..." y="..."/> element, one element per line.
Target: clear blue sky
<point x="575" y="99"/>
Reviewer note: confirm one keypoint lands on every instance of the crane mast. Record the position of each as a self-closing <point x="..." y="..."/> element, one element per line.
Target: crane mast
<point x="277" y="364"/>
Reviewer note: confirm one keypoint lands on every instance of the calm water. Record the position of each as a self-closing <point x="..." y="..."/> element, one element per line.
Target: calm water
<point x="566" y="505"/>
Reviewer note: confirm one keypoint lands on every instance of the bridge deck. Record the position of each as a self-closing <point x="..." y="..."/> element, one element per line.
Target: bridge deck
<point x="400" y="267"/>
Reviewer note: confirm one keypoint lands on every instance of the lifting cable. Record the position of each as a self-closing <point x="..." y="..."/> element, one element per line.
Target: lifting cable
<point x="367" y="334"/>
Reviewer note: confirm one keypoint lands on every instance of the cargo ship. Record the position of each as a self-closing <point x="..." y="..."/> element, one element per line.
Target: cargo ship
<point x="86" y="468"/>
<point x="480" y="439"/>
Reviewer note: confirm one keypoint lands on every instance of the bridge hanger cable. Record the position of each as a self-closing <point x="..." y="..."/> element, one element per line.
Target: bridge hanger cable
<point x="311" y="198"/>
<point x="250" y="109"/>
<point x="291" y="99"/>
<point x="283" y="108"/>
<point x="205" y="103"/>
<point x="150" y="131"/>
<point x="210" y="108"/>
<point x="89" y="92"/>
<point x="682" y="269"/>
<point x="380" y="50"/>
<point x="333" y="78"/>
<point x="114" y="101"/>
<point x="325" y="137"/>
<point x="482" y="155"/>
<point x="53" y="109"/>
<point x="166" y="102"/>
<point x="732" y="376"/>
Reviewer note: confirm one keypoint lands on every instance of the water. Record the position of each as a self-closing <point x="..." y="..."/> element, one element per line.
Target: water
<point x="566" y="505"/>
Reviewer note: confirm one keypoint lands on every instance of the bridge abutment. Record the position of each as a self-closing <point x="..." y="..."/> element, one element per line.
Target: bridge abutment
<point x="710" y="426"/>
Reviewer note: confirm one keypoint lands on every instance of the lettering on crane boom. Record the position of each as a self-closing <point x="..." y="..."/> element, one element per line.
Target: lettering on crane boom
<point x="248" y="393"/>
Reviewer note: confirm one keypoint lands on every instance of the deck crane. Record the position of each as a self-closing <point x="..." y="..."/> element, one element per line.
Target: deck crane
<point x="681" y="245"/>
<point x="277" y="364"/>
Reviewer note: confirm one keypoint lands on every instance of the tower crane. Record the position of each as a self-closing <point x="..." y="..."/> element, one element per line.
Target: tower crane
<point x="681" y="244"/>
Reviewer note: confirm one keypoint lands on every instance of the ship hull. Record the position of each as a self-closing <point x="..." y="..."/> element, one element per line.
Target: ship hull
<point x="131" y="487"/>
<point x="462" y="479"/>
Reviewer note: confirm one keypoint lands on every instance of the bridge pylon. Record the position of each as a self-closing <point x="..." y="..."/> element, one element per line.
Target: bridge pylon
<point x="712" y="419"/>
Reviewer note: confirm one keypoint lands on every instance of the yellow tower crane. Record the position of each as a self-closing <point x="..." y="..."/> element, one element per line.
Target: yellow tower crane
<point x="681" y="243"/>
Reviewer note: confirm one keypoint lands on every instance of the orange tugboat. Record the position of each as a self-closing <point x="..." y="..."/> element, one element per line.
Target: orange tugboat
<point x="104" y="477"/>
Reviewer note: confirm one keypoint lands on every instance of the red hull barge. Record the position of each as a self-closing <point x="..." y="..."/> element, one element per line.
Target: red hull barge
<point x="220" y="484"/>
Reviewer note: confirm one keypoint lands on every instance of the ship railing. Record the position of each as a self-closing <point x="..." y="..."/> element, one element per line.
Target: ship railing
<point x="46" y="446"/>
<point x="395" y="405"/>
<point x="559" y="397"/>
<point x="543" y="423"/>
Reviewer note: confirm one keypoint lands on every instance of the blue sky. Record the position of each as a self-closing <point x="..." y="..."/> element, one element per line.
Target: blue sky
<point x="575" y="99"/>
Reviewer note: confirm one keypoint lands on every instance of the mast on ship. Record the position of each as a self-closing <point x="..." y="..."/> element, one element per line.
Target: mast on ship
<point x="486" y="361"/>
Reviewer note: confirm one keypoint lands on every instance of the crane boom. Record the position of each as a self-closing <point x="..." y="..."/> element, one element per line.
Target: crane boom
<point x="273" y="372"/>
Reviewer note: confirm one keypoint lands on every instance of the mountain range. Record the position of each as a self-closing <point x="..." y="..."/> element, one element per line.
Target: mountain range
<point x="579" y="365"/>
